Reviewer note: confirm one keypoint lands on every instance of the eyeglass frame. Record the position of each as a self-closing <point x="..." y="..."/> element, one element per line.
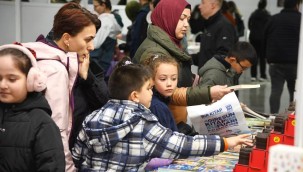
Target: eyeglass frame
<point x="243" y="68"/>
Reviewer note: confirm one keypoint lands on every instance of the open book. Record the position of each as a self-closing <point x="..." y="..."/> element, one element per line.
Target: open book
<point x="244" y="86"/>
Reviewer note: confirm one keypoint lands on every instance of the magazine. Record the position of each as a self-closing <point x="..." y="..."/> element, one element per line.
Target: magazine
<point x="224" y="117"/>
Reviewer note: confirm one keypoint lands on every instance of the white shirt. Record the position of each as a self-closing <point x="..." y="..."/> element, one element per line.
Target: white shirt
<point x="109" y="28"/>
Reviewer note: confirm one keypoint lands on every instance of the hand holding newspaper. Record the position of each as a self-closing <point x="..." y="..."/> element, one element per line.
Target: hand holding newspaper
<point x="224" y="117"/>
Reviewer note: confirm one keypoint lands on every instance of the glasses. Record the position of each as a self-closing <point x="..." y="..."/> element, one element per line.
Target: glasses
<point x="242" y="67"/>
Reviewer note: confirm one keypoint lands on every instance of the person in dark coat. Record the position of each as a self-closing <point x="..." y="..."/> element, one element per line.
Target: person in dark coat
<point x="29" y="138"/>
<point x="256" y="24"/>
<point x="139" y="27"/>
<point x="218" y="34"/>
<point x="282" y="35"/>
<point x="90" y="94"/>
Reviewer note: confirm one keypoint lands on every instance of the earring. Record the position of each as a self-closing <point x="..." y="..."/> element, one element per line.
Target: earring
<point x="67" y="44"/>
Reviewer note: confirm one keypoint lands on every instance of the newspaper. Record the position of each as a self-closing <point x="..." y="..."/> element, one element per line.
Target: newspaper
<point x="224" y="117"/>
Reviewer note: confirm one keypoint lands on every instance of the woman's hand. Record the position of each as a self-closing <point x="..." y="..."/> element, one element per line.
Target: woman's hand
<point x="218" y="91"/>
<point x="83" y="66"/>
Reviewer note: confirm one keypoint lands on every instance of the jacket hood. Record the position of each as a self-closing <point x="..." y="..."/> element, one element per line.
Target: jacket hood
<point x="45" y="50"/>
<point x="156" y="34"/>
<point x="212" y="64"/>
<point x="33" y="101"/>
<point x="102" y="138"/>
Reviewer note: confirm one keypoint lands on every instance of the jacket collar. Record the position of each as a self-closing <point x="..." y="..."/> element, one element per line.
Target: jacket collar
<point x="157" y="35"/>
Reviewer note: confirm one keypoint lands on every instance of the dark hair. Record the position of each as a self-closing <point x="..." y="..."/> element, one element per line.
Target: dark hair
<point x="126" y="79"/>
<point x="243" y="51"/>
<point x="224" y="7"/>
<point x="72" y="18"/>
<point x="107" y="3"/>
<point x="155" y="3"/>
<point x="188" y="6"/>
<point x="232" y="7"/>
<point x="153" y="61"/>
<point x="122" y="2"/>
<point x="20" y="59"/>
<point x="291" y="3"/>
<point x="262" y="4"/>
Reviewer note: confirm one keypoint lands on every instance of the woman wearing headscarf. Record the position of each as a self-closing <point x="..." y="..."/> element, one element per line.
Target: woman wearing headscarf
<point x="169" y="26"/>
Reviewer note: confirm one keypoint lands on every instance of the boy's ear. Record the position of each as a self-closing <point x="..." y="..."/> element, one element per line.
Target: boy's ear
<point x="134" y="96"/>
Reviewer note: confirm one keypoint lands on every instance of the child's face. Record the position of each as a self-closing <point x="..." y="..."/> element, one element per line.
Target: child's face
<point x="241" y="66"/>
<point x="166" y="79"/>
<point x="146" y="93"/>
<point x="13" y="87"/>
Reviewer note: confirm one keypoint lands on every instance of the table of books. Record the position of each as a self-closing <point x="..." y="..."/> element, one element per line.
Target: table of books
<point x="223" y="162"/>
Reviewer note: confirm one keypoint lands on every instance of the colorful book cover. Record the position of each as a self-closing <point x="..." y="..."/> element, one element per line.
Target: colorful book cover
<point x="224" y="162"/>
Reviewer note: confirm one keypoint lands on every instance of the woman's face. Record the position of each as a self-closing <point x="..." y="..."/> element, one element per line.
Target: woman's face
<point x="99" y="8"/>
<point x="183" y="24"/>
<point x="82" y="43"/>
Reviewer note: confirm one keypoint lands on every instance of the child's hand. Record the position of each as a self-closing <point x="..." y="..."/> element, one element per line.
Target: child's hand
<point x="240" y="139"/>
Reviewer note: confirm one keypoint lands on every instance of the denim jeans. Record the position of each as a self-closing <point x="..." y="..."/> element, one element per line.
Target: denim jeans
<point x="279" y="73"/>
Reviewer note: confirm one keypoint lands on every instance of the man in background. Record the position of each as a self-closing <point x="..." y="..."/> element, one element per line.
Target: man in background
<point x="281" y="48"/>
<point x="218" y="34"/>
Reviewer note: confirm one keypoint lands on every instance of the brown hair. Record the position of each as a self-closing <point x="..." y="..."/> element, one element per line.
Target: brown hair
<point x="126" y="79"/>
<point x="20" y="59"/>
<point x="107" y="3"/>
<point x="72" y="18"/>
<point x="154" y="61"/>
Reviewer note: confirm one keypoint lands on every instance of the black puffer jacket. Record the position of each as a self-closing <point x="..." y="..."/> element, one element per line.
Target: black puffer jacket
<point x="29" y="138"/>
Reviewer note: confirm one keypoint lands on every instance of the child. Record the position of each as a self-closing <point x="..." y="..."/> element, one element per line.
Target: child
<point x="124" y="134"/>
<point x="165" y="75"/>
<point x="29" y="138"/>
<point x="226" y="70"/>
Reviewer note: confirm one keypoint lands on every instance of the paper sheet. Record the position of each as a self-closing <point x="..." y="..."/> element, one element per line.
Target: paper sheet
<point x="224" y="117"/>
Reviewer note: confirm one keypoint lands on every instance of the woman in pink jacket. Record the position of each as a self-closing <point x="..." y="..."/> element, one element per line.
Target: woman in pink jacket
<point x="62" y="59"/>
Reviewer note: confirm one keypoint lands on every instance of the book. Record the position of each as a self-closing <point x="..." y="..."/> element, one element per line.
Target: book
<point x="224" y="162"/>
<point x="251" y="113"/>
<point x="244" y="86"/>
<point x="257" y="122"/>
